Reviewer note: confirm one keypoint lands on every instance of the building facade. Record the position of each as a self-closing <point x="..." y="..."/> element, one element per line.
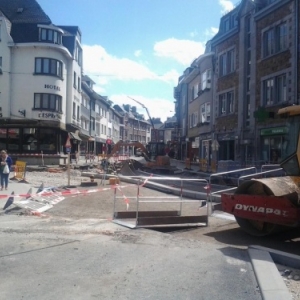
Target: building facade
<point x="44" y="96"/>
<point x="254" y="72"/>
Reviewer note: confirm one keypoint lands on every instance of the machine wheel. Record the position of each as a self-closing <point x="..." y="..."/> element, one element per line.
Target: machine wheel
<point x="258" y="228"/>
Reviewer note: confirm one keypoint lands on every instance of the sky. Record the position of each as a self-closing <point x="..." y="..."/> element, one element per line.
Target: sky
<point x="139" y="48"/>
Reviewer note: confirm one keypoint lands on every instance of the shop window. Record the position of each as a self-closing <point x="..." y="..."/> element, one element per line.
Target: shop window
<point x="272" y="149"/>
<point x="29" y="139"/>
<point x="3" y="138"/>
<point x="47" y="140"/>
<point x="13" y="140"/>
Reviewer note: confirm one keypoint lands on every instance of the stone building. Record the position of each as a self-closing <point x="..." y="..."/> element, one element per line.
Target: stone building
<point x="255" y="71"/>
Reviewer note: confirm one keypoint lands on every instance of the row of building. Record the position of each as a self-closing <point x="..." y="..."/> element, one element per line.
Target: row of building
<point x="226" y="100"/>
<point x="45" y="97"/>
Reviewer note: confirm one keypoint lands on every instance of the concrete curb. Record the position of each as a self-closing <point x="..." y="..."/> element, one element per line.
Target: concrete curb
<point x="270" y="282"/>
<point x="280" y="257"/>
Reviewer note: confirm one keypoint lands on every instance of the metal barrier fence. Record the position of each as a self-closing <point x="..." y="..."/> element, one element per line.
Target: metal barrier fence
<point x="159" y="218"/>
<point x="254" y="174"/>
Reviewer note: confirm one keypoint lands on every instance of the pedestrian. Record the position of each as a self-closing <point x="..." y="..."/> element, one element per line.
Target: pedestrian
<point x="5" y="167"/>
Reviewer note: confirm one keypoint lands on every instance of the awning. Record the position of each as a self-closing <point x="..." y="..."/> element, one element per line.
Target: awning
<point x="75" y="136"/>
<point x="84" y="137"/>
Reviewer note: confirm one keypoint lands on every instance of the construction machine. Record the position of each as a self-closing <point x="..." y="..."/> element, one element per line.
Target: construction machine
<point x="265" y="206"/>
<point x="155" y="147"/>
<point x="138" y="149"/>
<point x="160" y="162"/>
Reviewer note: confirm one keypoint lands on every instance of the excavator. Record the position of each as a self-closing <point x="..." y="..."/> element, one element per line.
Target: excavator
<point x="153" y="159"/>
<point x="265" y="206"/>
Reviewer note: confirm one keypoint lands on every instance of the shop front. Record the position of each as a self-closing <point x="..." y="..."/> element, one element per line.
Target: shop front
<point x="226" y="147"/>
<point x="35" y="145"/>
<point x="273" y="142"/>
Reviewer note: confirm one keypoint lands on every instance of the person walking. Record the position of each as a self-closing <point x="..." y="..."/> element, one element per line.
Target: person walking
<point x="5" y="167"/>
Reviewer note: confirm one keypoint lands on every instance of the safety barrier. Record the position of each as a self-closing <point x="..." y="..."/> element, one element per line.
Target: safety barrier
<point x="226" y="175"/>
<point x="216" y="193"/>
<point x="146" y="218"/>
<point x="19" y="171"/>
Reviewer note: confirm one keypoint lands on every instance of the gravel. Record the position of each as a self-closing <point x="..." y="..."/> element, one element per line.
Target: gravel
<point x="54" y="179"/>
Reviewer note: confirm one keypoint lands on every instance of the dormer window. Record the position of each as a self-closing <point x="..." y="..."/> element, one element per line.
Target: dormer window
<point x="50" y="36"/>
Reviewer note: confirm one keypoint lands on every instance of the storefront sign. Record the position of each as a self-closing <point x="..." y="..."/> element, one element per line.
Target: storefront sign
<point x="49" y="115"/>
<point x="274" y="131"/>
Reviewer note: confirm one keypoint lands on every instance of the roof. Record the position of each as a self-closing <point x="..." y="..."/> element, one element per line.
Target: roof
<point x="24" y="11"/>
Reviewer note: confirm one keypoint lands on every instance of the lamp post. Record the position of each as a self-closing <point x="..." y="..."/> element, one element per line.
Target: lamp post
<point x="215" y="147"/>
<point x="186" y="147"/>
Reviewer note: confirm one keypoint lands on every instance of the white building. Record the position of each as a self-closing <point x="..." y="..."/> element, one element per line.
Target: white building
<point x="40" y="82"/>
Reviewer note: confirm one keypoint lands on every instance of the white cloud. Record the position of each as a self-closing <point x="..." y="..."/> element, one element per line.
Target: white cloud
<point x="209" y="33"/>
<point x="193" y="34"/>
<point x="138" y="53"/>
<point x="183" y="51"/>
<point x="98" y="62"/>
<point x="170" y="77"/>
<point x="157" y="107"/>
<point x="227" y="5"/>
<point x="103" y="67"/>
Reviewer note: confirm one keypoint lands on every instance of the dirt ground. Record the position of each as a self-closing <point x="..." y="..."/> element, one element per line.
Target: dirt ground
<point x="102" y="201"/>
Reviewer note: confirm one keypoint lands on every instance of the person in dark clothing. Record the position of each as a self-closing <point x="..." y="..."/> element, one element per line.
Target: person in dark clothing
<point x="5" y="168"/>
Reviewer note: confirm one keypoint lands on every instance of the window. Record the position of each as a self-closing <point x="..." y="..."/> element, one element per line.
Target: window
<point x="248" y="112"/>
<point x="0" y="65"/>
<point x="229" y="22"/>
<point x="97" y="108"/>
<point x="93" y="123"/>
<point x="275" y="90"/>
<point x="193" y="119"/>
<point x="74" y="80"/>
<point x="48" y="66"/>
<point x="74" y="110"/>
<point x="79" y="85"/>
<point x="50" y="36"/>
<point x="195" y="91"/>
<point x="206" y="80"/>
<point x="275" y="40"/>
<point x="226" y="102"/>
<point x="205" y="112"/>
<point x="49" y="102"/>
<point x="78" y="54"/>
<point x="226" y="63"/>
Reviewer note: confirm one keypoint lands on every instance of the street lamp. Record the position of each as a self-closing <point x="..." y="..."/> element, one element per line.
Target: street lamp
<point x="186" y="147"/>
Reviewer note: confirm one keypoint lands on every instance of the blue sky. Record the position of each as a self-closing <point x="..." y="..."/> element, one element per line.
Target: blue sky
<point x="139" y="48"/>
